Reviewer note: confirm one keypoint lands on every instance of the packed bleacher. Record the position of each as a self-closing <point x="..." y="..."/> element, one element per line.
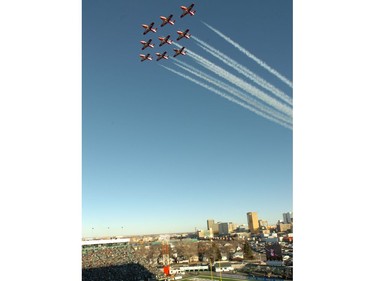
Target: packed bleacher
<point x="116" y="262"/>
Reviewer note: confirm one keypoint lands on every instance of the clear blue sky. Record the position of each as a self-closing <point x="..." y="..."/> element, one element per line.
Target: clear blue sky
<point x="162" y="154"/>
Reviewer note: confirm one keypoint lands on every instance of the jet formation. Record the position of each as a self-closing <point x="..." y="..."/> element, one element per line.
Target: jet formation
<point x="166" y="39"/>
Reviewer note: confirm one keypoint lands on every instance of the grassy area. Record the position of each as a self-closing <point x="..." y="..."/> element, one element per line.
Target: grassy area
<point x="206" y="277"/>
<point x="217" y="278"/>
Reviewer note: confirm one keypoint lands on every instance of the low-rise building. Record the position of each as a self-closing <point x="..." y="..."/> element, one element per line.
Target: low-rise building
<point x="282" y="227"/>
<point x="183" y="269"/>
<point x="222" y="267"/>
<point x="237" y="255"/>
<point x="193" y="259"/>
<point x="205" y="234"/>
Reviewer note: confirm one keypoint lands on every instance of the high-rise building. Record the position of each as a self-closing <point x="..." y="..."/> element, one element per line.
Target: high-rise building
<point x="215" y="228"/>
<point x="232" y="227"/>
<point x="210" y="224"/>
<point x="224" y="228"/>
<point x="288" y="217"/>
<point x="252" y="220"/>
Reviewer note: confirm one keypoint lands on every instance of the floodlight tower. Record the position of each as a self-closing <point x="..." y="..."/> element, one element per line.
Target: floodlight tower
<point x="165" y="253"/>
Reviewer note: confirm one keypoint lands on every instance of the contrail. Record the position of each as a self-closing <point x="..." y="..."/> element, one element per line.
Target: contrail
<point x="243" y="70"/>
<point x="229" y="98"/>
<point x="242" y="84"/>
<point x="233" y="91"/>
<point x="236" y="93"/>
<point x="239" y="82"/>
<point x="250" y="55"/>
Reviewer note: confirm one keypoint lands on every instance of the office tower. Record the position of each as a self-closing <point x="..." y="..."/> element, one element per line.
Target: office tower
<point x="252" y="220"/>
<point x="215" y="228"/>
<point x="288" y="217"/>
<point x="224" y="228"/>
<point x="232" y="227"/>
<point x="210" y="224"/>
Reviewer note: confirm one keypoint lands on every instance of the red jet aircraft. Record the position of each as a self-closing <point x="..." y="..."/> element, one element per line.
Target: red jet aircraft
<point x="187" y="10"/>
<point x="145" y="57"/>
<point x="164" y="40"/>
<point x="149" y="28"/>
<point x="147" y="44"/>
<point x="167" y="20"/>
<point x="182" y="34"/>
<point x="179" y="52"/>
<point x="162" y="56"/>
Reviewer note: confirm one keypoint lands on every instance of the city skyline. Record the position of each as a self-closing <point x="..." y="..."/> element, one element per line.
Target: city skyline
<point x="119" y="230"/>
<point x="163" y="148"/>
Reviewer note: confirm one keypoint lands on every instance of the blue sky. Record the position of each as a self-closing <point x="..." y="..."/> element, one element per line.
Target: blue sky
<point x="162" y="154"/>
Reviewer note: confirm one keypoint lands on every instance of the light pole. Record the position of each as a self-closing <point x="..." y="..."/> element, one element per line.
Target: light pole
<point x="220" y="270"/>
<point x="212" y="278"/>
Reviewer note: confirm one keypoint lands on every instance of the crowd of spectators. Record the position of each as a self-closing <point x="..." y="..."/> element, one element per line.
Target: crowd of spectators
<point x="126" y="272"/>
<point x="116" y="262"/>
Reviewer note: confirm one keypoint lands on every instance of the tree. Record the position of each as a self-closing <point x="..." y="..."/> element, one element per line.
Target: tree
<point x="247" y="252"/>
<point x="215" y="253"/>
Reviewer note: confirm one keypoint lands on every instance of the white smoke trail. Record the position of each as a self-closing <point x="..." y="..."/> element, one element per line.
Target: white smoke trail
<point x="250" y="55"/>
<point x="242" y="84"/>
<point x="239" y="82"/>
<point x="243" y="70"/>
<point x="233" y="91"/>
<point x="229" y="98"/>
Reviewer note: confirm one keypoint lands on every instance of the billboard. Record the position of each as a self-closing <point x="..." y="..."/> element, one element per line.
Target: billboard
<point x="273" y="252"/>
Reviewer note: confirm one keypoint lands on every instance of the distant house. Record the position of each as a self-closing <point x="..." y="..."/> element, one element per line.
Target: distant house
<point x="193" y="259"/>
<point x="222" y="267"/>
<point x="181" y="259"/>
<point x="237" y="256"/>
<point x="204" y="259"/>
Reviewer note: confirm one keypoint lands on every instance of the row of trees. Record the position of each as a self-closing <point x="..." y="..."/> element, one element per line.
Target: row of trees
<point x="212" y="251"/>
